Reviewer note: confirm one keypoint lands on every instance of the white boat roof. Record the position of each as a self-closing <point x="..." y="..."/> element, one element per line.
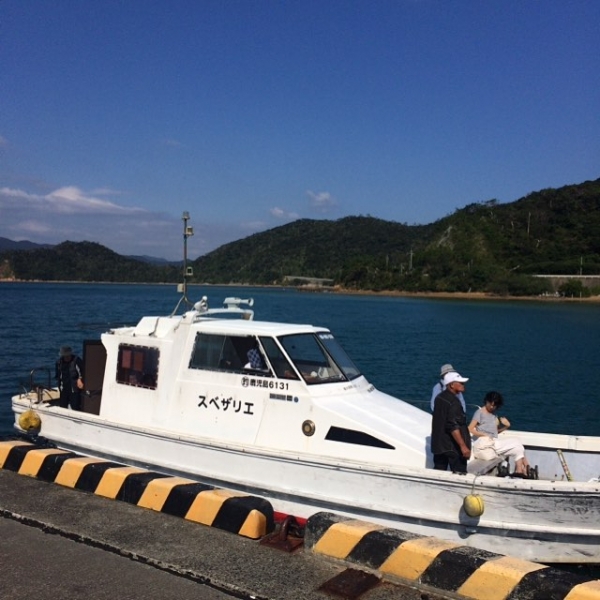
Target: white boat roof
<point x="159" y="327"/>
<point x="256" y="327"/>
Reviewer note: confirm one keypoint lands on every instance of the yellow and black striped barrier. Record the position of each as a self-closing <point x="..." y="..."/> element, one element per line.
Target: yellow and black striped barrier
<point x="468" y="572"/>
<point x="250" y="516"/>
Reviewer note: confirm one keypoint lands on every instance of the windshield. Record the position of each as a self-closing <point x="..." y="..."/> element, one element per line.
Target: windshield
<point x="319" y="358"/>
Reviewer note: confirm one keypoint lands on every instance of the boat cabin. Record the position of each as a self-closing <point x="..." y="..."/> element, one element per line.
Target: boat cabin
<point x="205" y="374"/>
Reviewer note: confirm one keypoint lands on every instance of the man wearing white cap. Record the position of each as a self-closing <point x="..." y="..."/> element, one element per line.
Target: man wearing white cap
<point x="438" y="388"/>
<point x="450" y="438"/>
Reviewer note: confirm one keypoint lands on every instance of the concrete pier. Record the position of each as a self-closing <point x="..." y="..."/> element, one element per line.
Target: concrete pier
<point x="57" y="542"/>
<point x="133" y="518"/>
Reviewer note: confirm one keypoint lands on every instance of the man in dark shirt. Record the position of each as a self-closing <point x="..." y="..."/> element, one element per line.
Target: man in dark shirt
<point x="450" y="439"/>
<point x="69" y="375"/>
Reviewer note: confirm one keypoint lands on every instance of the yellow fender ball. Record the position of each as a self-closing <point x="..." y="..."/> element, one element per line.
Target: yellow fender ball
<point x="29" y="420"/>
<point x="473" y="505"/>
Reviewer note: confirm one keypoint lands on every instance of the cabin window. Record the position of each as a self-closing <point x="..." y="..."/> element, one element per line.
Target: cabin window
<point x="225" y="353"/>
<point x="281" y="365"/>
<point x="208" y="350"/>
<point x="319" y="358"/>
<point x="339" y="355"/>
<point x="138" y="366"/>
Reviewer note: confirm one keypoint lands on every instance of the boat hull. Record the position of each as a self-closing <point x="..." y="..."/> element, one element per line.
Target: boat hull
<point x="543" y="521"/>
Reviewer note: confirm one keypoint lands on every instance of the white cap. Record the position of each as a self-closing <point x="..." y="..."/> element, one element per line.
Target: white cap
<point x="452" y="377"/>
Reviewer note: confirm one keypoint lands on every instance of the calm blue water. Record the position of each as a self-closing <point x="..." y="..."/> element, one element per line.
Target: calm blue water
<point x="544" y="357"/>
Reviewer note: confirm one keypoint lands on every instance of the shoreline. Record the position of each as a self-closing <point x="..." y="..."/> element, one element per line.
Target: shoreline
<point x="475" y="296"/>
<point x="481" y="296"/>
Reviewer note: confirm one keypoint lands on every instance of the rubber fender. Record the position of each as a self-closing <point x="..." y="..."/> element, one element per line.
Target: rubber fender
<point x="473" y="505"/>
<point x="29" y="420"/>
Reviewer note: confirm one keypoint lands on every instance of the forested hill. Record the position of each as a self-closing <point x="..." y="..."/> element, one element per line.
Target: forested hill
<point x="82" y="261"/>
<point x="311" y="248"/>
<point x="484" y="246"/>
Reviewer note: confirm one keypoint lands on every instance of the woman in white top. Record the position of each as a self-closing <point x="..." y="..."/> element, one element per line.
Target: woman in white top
<point x="485" y="427"/>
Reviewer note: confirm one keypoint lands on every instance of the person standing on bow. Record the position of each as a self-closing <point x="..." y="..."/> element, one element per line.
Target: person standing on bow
<point x="438" y="388"/>
<point x="69" y="375"/>
<point x="450" y="438"/>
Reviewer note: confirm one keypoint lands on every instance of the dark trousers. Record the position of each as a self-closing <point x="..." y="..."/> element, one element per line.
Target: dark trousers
<point x="68" y="397"/>
<point x="456" y="462"/>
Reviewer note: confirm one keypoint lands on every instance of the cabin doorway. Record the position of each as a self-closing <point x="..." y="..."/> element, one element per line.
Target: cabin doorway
<point x="94" y="365"/>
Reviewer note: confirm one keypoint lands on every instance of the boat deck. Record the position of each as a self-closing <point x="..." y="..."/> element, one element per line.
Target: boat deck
<point x="42" y="395"/>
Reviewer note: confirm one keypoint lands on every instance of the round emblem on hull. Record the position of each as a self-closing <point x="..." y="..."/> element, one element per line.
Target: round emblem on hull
<point x="308" y="428"/>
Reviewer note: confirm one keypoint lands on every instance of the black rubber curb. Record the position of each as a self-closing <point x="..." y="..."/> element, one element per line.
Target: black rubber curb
<point x="443" y="565"/>
<point x="249" y="516"/>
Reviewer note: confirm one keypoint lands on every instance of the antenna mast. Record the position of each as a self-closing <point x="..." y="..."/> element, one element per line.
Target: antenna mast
<point x="187" y="271"/>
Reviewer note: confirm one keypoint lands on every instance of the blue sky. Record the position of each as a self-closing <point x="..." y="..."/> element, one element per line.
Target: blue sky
<point x="118" y="115"/>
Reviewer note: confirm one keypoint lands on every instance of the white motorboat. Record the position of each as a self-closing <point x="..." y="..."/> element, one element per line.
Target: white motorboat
<point x="310" y="433"/>
<point x="302" y="427"/>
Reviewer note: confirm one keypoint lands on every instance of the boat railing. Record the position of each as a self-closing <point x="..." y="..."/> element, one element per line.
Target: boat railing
<point x="33" y="385"/>
<point x="39" y="388"/>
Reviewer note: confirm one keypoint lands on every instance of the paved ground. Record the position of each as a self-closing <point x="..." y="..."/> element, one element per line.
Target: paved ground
<point x="57" y="542"/>
<point x="41" y="565"/>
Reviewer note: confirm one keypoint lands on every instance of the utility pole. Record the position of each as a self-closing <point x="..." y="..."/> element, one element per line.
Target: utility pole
<point x="410" y="257"/>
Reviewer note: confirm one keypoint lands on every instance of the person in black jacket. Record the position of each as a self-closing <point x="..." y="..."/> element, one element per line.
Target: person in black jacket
<point x="69" y="375"/>
<point x="450" y="438"/>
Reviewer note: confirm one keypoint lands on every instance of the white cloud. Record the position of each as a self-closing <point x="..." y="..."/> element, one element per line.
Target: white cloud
<point x="68" y="199"/>
<point x="321" y="201"/>
<point x="72" y="199"/>
<point x="106" y="192"/>
<point x="69" y="213"/>
<point x="279" y="213"/>
<point x="9" y="192"/>
<point x="35" y="227"/>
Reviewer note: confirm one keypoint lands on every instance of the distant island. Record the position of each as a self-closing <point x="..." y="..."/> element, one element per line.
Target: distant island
<point x="484" y="248"/>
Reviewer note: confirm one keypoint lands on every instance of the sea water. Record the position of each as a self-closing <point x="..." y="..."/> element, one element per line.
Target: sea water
<point x="544" y="357"/>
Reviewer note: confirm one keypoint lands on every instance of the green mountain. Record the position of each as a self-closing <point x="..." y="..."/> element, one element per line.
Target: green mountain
<point x="311" y="248"/>
<point x="484" y="246"/>
<point x="82" y="261"/>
